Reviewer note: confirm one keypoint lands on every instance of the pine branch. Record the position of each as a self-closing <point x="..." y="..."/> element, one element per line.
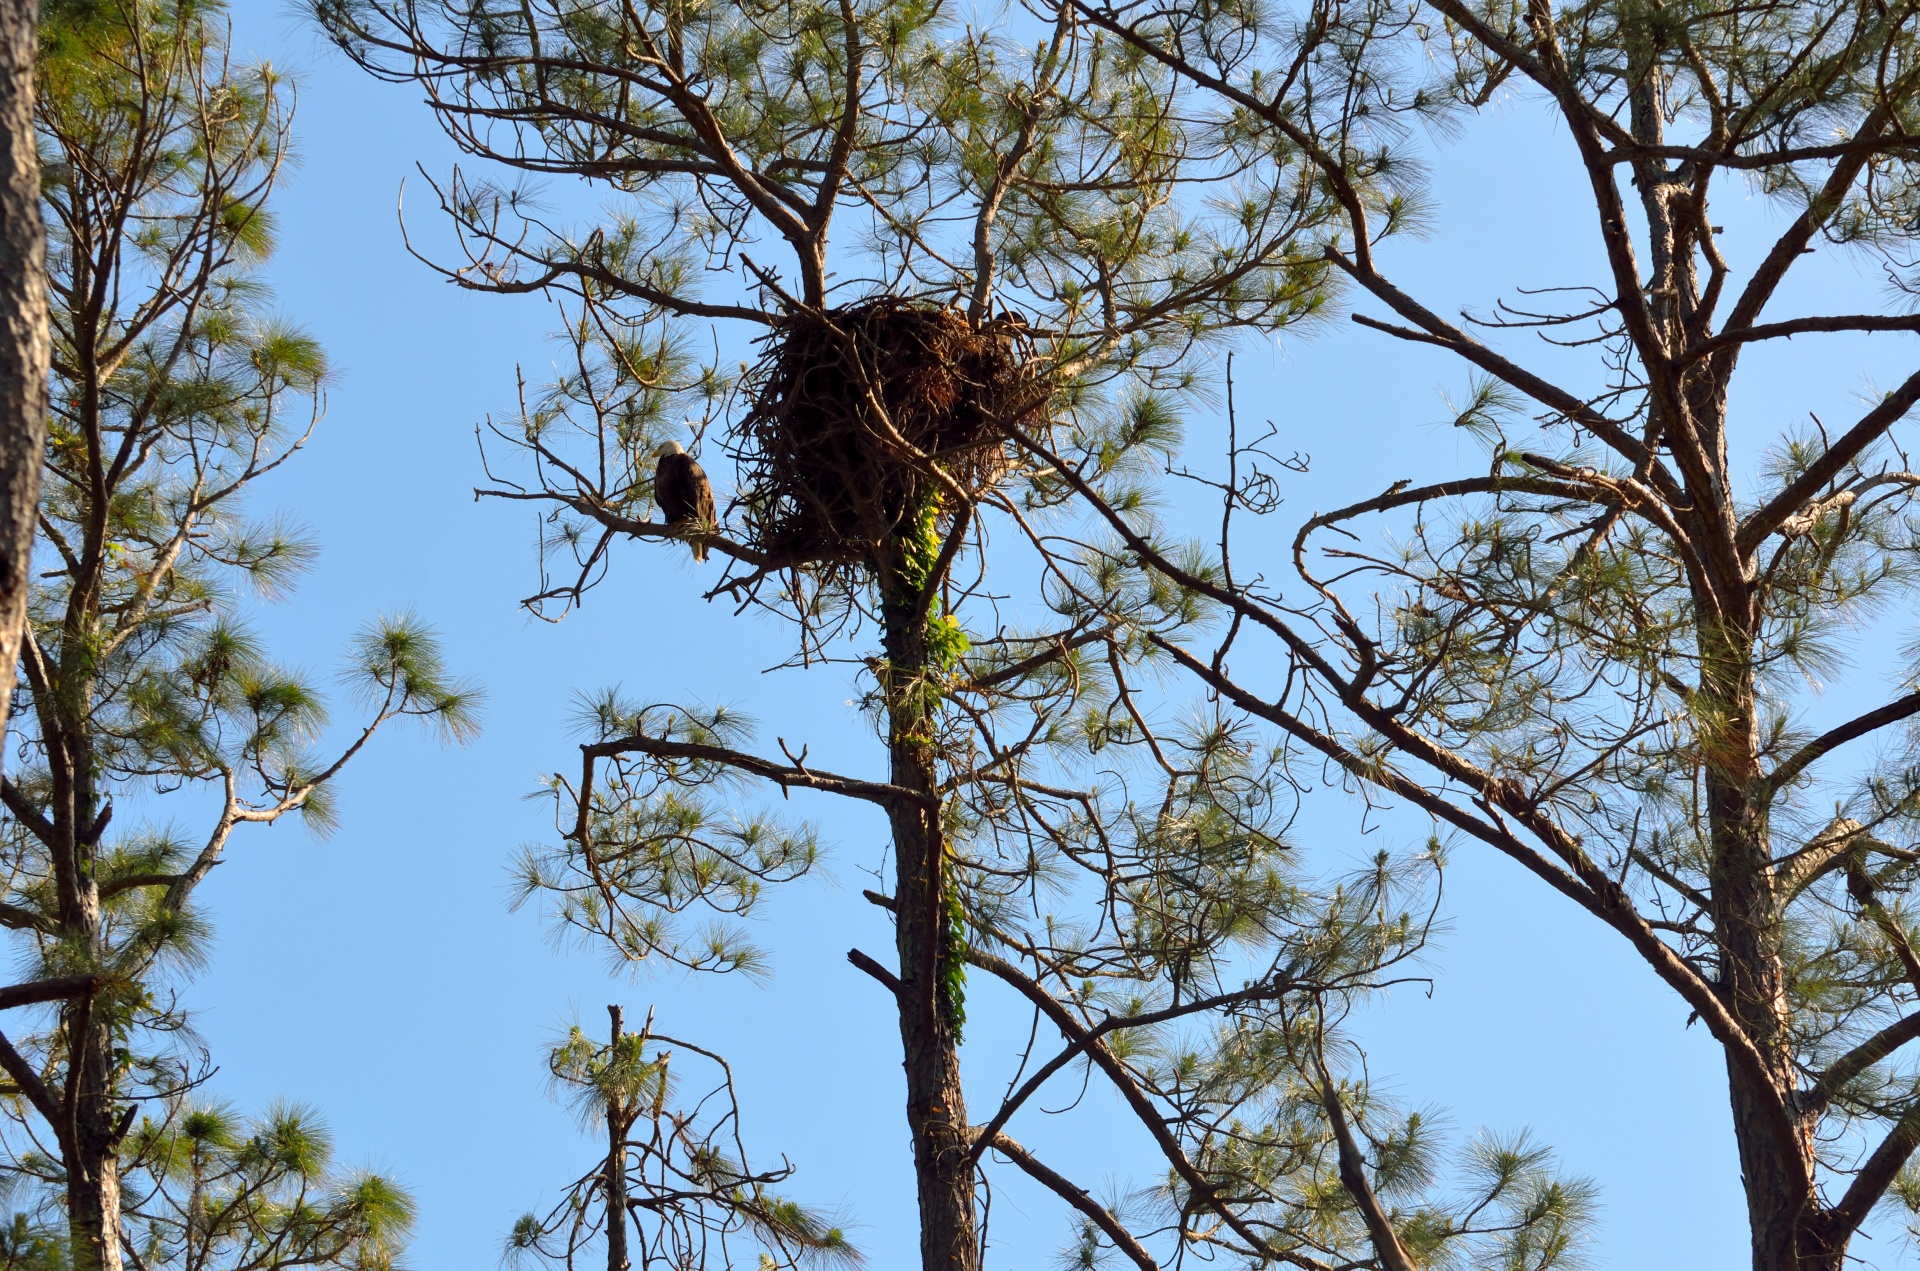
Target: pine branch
<point x="1074" y="1195"/>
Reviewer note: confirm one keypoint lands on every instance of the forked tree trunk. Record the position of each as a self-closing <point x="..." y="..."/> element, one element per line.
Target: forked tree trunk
<point x="936" y="1107"/>
<point x="25" y="344"/>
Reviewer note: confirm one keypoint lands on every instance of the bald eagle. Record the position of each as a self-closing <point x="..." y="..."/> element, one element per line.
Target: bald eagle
<point x="685" y="496"/>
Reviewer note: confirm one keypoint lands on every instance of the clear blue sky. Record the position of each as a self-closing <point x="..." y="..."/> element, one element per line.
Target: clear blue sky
<point x="379" y="975"/>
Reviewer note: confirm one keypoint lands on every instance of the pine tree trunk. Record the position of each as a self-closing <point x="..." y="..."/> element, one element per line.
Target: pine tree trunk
<point x="93" y="1167"/>
<point x="936" y="1107"/>
<point x="25" y="344"/>
<point x="90" y="1082"/>
<point x="616" y="1165"/>
<point x="1783" y="1237"/>
<point x="1783" y="1218"/>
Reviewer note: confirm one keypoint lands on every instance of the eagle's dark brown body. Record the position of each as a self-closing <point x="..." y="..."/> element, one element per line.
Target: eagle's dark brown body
<point x="685" y="496"/>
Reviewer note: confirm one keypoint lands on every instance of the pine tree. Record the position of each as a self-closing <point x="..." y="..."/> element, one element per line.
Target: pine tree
<point x="674" y="1185"/>
<point x="1593" y="652"/>
<point x="173" y="392"/>
<point x="930" y="238"/>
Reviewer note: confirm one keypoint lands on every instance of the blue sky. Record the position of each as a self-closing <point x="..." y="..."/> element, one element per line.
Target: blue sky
<point x="379" y="974"/>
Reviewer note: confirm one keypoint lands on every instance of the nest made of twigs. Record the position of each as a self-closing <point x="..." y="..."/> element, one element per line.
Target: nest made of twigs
<point x="854" y="407"/>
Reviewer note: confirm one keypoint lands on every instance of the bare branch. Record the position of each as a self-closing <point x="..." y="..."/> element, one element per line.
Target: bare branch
<point x="1077" y="1197"/>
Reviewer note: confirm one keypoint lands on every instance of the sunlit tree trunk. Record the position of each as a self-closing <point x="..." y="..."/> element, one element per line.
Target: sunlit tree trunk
<point x="24" y="340"/>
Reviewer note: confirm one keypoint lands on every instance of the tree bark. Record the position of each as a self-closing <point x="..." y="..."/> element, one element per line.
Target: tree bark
<point x="25" y="343"/>
<point x="91" y="1156"/>
<point x="93" y="1164"/>
<point x="936" y="1106"/>
<point x="616" y="1165"/>
<point x="1780" y="1220"/>
<point x="1784" y="1218"/>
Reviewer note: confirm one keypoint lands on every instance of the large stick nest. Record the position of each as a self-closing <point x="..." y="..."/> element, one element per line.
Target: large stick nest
<point x="853" y="408"/>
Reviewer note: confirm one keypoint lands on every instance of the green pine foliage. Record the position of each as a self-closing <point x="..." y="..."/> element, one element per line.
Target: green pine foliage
<point x="152" y="724"/>
<point x="1600" y="649"/>
<point x="211" y="1188"/>
<point x="691" y="1198"/>
<point x="656" y="840"/>
<point x="1116" y="859"/>
<point x="207" y="1187"/>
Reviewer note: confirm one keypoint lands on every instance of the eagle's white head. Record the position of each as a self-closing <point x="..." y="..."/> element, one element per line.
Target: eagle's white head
<point x="666" y="448"/>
